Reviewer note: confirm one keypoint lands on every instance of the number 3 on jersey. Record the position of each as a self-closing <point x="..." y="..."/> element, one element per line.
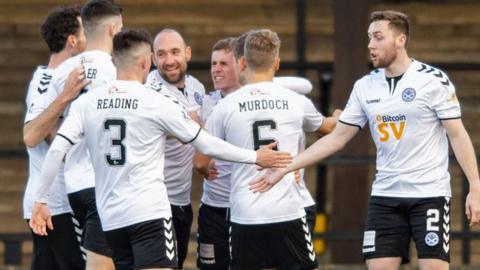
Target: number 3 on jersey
<point x="117" y="128"/>
<point x="261" y="124"/>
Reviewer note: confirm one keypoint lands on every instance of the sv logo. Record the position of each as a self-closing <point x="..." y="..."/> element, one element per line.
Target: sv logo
<point x="391" y="128"/>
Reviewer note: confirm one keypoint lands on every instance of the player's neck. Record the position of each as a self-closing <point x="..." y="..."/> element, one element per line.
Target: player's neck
<point x="255" y="77"/>
<point x="130" y="75"/>
<point x="399" y="66"/>
<point x="57" y="58"/>
<point x="99" y="45"/>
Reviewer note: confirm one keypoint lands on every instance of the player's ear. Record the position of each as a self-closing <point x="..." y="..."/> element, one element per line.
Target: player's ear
<point x="188" y="53"/>
<point x="71" y="41"/>
<point x="276" y="64"/>
<point x="112" y="29"/>
<point x="401" y="40"/>
<point x="242" y="63"/>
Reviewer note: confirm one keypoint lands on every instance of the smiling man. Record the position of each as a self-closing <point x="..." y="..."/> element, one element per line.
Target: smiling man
<point x="171" y="55"/>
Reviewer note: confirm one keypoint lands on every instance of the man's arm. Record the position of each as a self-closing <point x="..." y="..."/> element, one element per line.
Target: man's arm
<point x="41" y="217"/>
<point x="217" y="148"/>
<point x="321" y="149"/>
<point x="46" y="124"/>
<point x="465" y="154"/>
<point x="205" y="165"/>
<point x="329" y="123"/>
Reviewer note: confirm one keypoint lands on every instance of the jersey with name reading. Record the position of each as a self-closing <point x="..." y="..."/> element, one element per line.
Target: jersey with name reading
<point x="256" y="115"/>
<point x="125" y="126"/>
<point x="100" y="70"/>
<point x="37" y="102"/>
<point x="412" y="146"/>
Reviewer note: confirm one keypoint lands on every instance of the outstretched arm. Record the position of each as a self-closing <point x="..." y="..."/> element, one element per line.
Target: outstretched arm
<point x="220" y="149"/>
<point x="321" y="149"/>
<point x="465" y="154"/>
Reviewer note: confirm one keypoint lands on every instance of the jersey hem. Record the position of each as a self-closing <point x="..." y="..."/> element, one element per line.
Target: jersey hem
<point x="119" y="225"/>
<point x="268" y="220"/>
<point x="411" y="195"/>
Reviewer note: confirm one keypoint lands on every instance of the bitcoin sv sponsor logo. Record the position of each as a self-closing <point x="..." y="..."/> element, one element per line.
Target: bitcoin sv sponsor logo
<point x="391" y="125"/>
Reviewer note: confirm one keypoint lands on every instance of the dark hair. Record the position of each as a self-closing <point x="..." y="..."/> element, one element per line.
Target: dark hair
<point x="127" y="39"/>
<point x="95" y="10"/>
<point x="223" y="44"/>
<point x="59" y="24"/>
<point x="239" y="45"/>
<point x="397" y="20"/>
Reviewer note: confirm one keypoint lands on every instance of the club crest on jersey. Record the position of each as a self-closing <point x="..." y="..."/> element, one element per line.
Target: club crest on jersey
<point x="198" y="98"/>
<point x="431" y="239"/>
<point x="408" y="94"/>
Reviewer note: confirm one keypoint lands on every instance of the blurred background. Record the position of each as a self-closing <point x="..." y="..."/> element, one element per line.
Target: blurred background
<point x="323" y="40"/>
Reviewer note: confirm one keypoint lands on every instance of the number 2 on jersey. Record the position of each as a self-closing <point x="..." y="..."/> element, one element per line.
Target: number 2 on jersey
<point x="257" y="142"/>
<point x="118" y="125"/>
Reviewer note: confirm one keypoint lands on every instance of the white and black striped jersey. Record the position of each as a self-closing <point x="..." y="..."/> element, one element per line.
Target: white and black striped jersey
<point x="36" y="102"/>
<point x="179" y="156"/>
<point x="100" y="70"/>
<point x="124" y="126"/>
<point x="405" y="123"/>
<point x="256" y="115"/>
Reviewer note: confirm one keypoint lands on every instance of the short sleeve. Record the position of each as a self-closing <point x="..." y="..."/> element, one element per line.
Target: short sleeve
<point x="72" y="127"/>
<point x="312" y="119"/>
<point x="444" y="101"/>
<point x="178" y="123"/>
<point x="353" y="114"/>
<point x="37" y="102"/>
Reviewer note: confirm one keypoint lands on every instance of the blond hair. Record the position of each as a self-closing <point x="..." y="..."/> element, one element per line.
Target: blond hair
<point x="261" y="49"/>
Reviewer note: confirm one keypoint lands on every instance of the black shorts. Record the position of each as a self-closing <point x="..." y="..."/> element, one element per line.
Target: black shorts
<point x="392" y="222"/>
<point x="283" y="245"/>
<point x="182" y="220"/>
<point x="85" y="209"/>
<point x="212" y="237"/>
<point x="149" y="244"/>
<point x="311" y="216"/>
<point x="60" y="249"/>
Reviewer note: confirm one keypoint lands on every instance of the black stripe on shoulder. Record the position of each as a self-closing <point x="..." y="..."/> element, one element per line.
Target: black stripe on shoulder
<point x="66" y="138"/>
<point x="349" y="124"/>
<point x="450" y="118"/>
<point x="199" y="129"/>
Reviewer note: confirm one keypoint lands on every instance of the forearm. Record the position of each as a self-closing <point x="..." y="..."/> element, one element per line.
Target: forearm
<point x="321" y="149"/>
<point x="200" y="162"/>
<point x="217" y="148"/>
<point x="465" y="154"/>
<point x="50" y="167"/>
<point x="42" y="126"/>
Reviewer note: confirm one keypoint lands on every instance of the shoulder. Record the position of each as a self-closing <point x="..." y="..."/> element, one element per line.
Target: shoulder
<point x="431" y="74"/>
<point x="194" y="85"/>
<point x="373" y="77"/>
<point x="40" y="81"/>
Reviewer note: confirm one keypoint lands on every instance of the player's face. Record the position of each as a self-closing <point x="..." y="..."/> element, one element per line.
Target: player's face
<point x="223" y="71"/>
<point x="382" y="45"/>
<point x="171" y="57"/>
